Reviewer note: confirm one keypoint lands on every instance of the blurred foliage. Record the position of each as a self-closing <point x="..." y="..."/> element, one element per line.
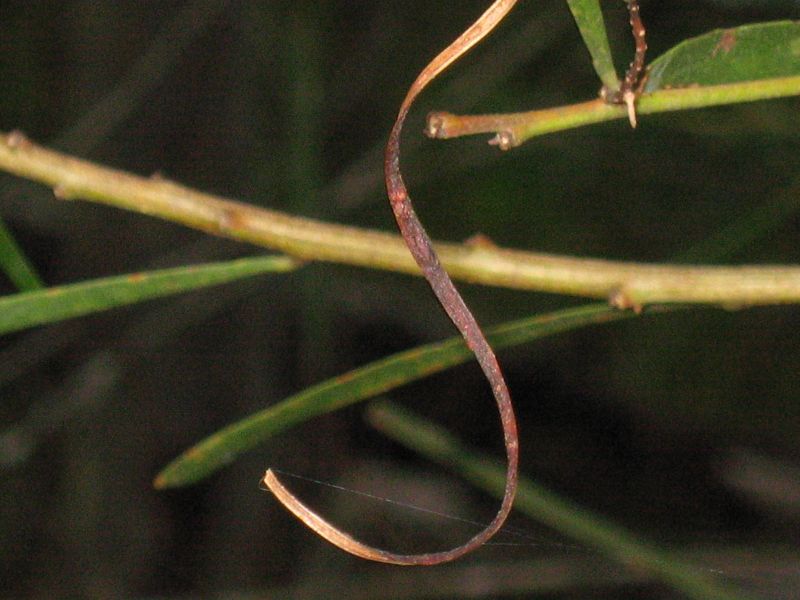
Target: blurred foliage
<point x="637" y="420"/>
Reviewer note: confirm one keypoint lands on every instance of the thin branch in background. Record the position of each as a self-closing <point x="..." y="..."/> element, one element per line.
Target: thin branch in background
<point x="158" y="60"/>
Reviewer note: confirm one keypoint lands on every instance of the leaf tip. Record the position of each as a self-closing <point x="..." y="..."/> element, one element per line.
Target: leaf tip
<point x="161" y="481"/>
<point x="173" y="475"/>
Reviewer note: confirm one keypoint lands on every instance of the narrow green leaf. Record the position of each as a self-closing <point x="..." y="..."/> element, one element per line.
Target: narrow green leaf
<point x="15" y="264"/>
<point x="589" y="18"/>
<point x="58" y="303"/>
<point x="725" y="56"/>
<point x="545" y="506"/>
<point x="224" y="446"/>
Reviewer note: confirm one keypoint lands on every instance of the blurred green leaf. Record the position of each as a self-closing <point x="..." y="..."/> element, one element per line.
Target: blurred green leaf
<point x="723" y="56"/>
<point x="541" y="504"/>
<point x="50" y="305"/>
<point x="589" y="18"/>
<point x="224" y="446"/>
<point x="15" y="264"/>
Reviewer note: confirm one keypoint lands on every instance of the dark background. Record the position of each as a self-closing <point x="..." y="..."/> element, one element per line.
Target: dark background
<point x="682" y="427"/>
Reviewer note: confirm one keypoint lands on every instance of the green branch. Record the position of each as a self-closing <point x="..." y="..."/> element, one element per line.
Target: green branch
<point x="627" y="285"/>
<point x="512" y="129"/>
<point x="546" y="507"/>
<point x="724" y="66"/>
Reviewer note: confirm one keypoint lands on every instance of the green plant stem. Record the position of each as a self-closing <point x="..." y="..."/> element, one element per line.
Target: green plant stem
<point x="303" y="65"/>
<point x="543" y="505"/>
<point x="625" y="284"/>
<point x="513" y="129"/>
